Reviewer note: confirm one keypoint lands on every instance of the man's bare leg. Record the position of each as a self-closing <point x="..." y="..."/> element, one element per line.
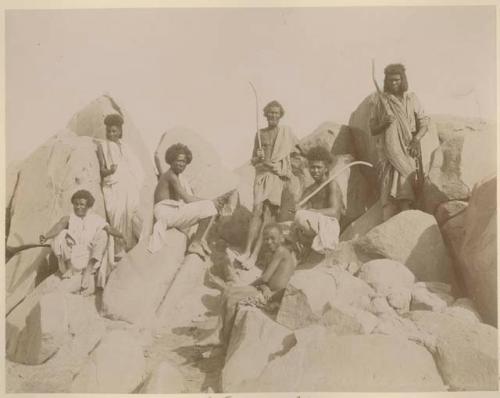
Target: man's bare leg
<point x="88" y="282"/>
<point x="267" y="217"/>
<point x="196" y="246"/>
<point x="253" y="232"/>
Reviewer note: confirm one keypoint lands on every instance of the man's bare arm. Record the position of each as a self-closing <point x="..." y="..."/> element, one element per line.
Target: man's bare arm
<point x="175" y="184"/>
<point x="61" y="225"/>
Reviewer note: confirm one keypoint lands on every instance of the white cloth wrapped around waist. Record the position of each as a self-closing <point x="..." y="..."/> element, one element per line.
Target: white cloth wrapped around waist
<point x="176" y="214"/>
<point x="326" y="229"/>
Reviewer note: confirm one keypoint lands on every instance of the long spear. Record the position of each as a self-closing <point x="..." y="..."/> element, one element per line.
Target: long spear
<point x="256" y="114"/>
<point x="330" y="179"/>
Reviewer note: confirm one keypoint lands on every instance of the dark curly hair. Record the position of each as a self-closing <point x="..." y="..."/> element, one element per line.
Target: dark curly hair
<point x="274" y="225"/>
<point x="319" y="153"/>
<point x="113" y="120"/>
<point x="176" y="149"/>
<point x="83" y="194"/>
<point x="274" y="103"/>
<point x="396" y="69"/>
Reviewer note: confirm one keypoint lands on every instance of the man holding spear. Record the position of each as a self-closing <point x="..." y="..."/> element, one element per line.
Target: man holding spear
<point x="403" y="122"/>
<point x="271" y="159"/>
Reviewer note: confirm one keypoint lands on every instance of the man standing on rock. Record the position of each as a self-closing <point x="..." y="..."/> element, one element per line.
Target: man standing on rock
<point x="271" y="159"/>
<point x="176" y="206"/>
<point x="316" y="224"/>
<point x="401" y="122"/>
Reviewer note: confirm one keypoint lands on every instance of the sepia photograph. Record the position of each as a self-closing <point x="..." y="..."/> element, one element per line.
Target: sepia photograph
<point x="280" y="198"/>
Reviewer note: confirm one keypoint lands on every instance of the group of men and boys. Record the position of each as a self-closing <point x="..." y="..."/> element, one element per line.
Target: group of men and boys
<point x="80" y="240"/>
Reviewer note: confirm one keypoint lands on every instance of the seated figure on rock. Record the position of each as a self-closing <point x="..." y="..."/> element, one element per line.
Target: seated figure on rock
<point x="316" y="223"/>
<point x="176" y="206"/>
<point x="82" y="246"/>
<point x="265" y="291"/>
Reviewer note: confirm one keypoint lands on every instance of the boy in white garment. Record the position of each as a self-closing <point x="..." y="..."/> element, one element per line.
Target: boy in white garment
<point x="176" y="206"/>
<point x="80" y="242"/>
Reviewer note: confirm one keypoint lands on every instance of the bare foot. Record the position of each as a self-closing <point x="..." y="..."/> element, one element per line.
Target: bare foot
<point x="88" y="292"/>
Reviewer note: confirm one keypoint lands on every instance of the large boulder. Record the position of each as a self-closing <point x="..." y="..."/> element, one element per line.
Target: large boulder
<point x="351" y="364"/>
<point x="311" y="293"/>
<point x="165" y="379"/>
<point x="385" y="276"/>
<point x="359" y="227"/>
<point x="466" y="352"/>
<point x="63" y="164"/>
<point x="478" y="254"/>
<point x="138" y="283"/>
<point x="413" y="238"/>
<point x="255" y="340"/>
<point x="432" y="296"/>
<point x="45" y="330"/>
<point x="448" y="210"/>
<point x="455" y="166"/>
<point x="116" y="365"/>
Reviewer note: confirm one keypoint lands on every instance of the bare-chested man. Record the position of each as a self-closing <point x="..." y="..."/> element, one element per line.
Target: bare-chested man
<point x="176" y="206"/>
<point x="269" y="287"/>
<point x="316" y="224"/>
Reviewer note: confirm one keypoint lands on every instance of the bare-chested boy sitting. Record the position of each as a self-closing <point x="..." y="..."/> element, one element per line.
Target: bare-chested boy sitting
<point x="269" y="287"/>
<point x="316" y="224"/>
<point x="176" y="206"/>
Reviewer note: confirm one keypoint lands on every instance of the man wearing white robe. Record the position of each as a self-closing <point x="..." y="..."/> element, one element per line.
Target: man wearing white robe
<point x="81" y="244"/>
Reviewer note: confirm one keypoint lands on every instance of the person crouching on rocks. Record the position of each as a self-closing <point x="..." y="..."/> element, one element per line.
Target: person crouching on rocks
<point x="266" y="290"/>
<point x="80" y="242"/>
<point x="176" y="206"/>
<point x="316" y="224"/>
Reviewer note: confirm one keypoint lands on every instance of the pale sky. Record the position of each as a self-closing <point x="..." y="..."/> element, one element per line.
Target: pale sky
<point x="191" y="67"/>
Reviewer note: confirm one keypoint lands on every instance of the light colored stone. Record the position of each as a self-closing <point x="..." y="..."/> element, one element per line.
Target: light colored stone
<point x="45" y="330"/>
<point x="466" y="352"/>
<point x="311" y="292"/>
<point x="464" y="309"/>
<point x="426" y="296"/>
<point x="413" y="238"/>
<point x="455" y="165"/>
<point x="478" y="254"/>
<point x="386" y="275"/>
<point x="346" y="320"/>
<point x="116" y="365"/>
<point x="165" y="379"/>
<point x="255" y="339"/>
<point x="351" y="364"/>
<point x="137" y="285"/>
<point x="360" y="226"/>
<point x="400" y="299"/>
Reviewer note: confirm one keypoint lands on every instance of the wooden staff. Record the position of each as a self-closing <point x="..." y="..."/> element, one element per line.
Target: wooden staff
<point x="256" y="114"/>
<point x="330" y="179"/>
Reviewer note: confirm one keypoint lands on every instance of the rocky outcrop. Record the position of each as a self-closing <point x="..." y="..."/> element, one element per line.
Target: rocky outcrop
<point x="255" y="336"/>
<point x="412" y="238"/>
<point x="312" y="293"/>
<point x="455" y="166"/>
<point x="116" y="365"/>
<point x="431" y="296"/>
<point x="362" y="363"/>
<point x="165" y="379"/>
<point x="478" y="252"/>
<point x="386" y="276"/>
<point x="138" y="283"/>
<point x="65" y="163"/>
<point x="466" y="352"/>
